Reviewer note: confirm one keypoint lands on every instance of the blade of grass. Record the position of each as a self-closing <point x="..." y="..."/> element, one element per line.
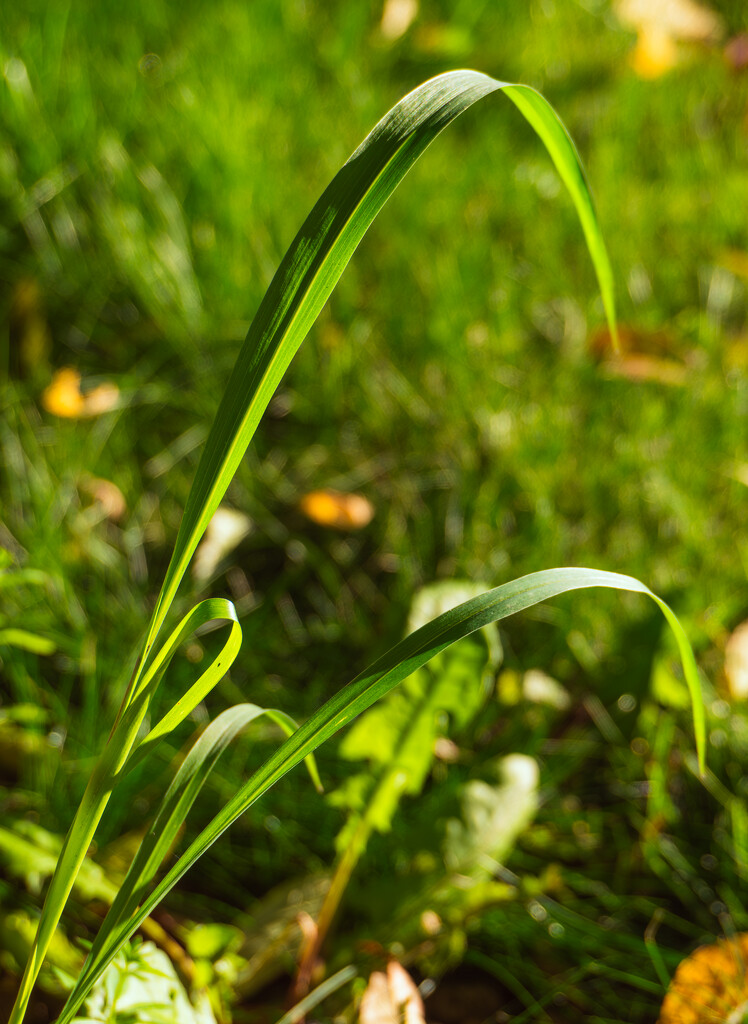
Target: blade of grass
<point x="175" y="806"/>
<point x="113" y="762"/>
<point x="320" y="252"/>
<point x="302" y="284"/>
<point x="332" y="984"/>
<point x="364" y="690"/>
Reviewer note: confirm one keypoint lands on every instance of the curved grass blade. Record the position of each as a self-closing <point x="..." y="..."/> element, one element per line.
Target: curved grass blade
<point x="113" y="762"/>
<point x="375" y="682"/>
<point x="303" y="282"/>
<point x="320" y="252"/>
<point x="175" y="806"/>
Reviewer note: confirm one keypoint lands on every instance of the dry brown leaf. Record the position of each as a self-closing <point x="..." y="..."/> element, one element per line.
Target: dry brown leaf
<point x="63" y="397"/>
<point x="640" y="367"/>
<point x="710" y="986"/>
<point x="736" y="662"/>
<point x="338" y="509"/>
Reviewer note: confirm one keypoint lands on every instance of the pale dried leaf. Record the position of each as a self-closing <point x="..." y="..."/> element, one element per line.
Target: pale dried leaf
<point x="226" y="529"/>
<point x="540" y="688"/>
<point x="63" y="396"/>
<point x="392" y="998"/>
<point x="431" y="923"/>
<point x="405" y="995"/>
<point x="376" y="1002"/>
<point x="680" y="19"/>
<point x="102" y="399"/>
<point x="107" y="495"/>
<point x="397" y="17"/>
<point x="736" y="662"/>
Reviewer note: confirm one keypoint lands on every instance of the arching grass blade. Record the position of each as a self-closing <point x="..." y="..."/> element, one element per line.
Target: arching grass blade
<point x="375" y="682"/>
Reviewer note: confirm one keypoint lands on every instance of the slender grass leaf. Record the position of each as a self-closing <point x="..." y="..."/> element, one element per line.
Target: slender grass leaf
<point x="304" y="280"/>
<point x="403" y="659"/>
<point x="329" y="985"/>
<point x="175" y="806"/>
<point x="320" y="252"/>
<point x="113" y="762"/>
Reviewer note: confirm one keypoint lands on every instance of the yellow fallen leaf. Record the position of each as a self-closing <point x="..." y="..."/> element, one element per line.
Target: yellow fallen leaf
<point x="63" y="396"/>
<point x="736" y="662"/>
<point x="655" y="53"/>
<point x="710" y="986"/>
<point x="338" y="509"/>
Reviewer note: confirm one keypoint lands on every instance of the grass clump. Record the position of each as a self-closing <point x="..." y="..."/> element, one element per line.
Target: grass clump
<point x="294" y="299"/>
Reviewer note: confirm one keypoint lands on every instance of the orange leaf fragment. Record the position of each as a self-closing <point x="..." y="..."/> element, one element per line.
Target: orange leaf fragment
<point x="648" y="368"/>
<point x="643" y="356"/>
<point x="63" y="396"/>
<point x="338" y="509"/>
<point x="710" y="986"/>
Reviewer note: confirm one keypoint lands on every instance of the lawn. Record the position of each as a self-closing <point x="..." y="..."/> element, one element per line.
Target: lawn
<point x="155" y="164"/>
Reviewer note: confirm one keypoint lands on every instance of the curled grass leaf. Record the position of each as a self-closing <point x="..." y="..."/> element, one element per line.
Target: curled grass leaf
<point x="373" y="683"/>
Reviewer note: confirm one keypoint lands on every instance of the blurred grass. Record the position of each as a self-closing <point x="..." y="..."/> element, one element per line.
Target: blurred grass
<point x="153" y="168"/>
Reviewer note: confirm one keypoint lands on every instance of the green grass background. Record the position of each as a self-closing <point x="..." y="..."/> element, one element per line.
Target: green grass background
<point x="155" y="161"/>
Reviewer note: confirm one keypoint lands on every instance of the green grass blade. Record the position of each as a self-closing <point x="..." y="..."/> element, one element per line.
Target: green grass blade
<point x="175" y="806"/>
<point x="332" y="984"/>
<point x="317" y="257"/>
<point x="379" y="679"/>
<point x="304" y="280"/>
<point x="112" y="763"/>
